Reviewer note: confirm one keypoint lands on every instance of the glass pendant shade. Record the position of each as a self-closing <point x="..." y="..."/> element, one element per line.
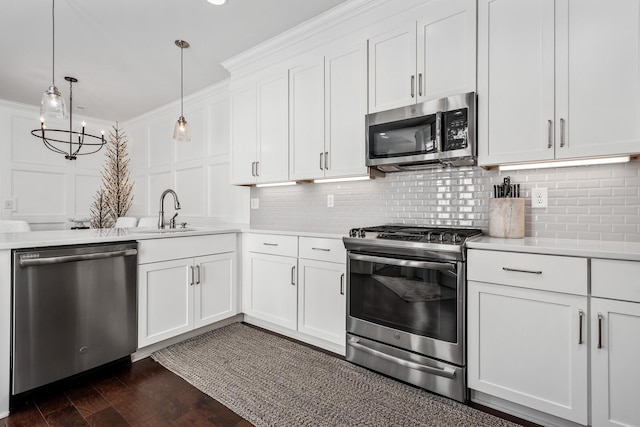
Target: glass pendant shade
<point x="52" y="105"/>
<point x="181" y="131"/>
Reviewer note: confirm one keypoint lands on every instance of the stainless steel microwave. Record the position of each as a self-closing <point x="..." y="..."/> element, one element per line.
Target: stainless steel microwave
<point x="433" y="133"/>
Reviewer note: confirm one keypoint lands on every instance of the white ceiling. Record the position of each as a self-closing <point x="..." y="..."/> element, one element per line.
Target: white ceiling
<point x="123" y="52"/>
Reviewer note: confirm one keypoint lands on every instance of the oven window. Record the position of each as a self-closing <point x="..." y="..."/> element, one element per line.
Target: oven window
<point x="420" y="301"/>
<point x="403" y="138"/>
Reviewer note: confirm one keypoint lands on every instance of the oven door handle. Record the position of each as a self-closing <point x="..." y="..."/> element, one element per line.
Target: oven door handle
<point x="441" y="372"/>
<point x="405" y="262"/>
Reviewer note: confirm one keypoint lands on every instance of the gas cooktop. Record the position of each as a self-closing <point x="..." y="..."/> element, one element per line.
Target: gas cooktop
<point x="417" y="241"/>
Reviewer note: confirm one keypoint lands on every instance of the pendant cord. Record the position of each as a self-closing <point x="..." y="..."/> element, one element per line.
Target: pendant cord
<point x="181" y="83"/>
<point x="53" y="42"/>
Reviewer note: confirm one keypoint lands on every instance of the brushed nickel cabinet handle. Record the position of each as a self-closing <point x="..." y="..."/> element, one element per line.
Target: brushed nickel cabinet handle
<point x="550" y="136"/>
<point x="253" y="168"/>
<point x="420" y="84"/>
<point x="193" y="281"/>
<point x="326" y="160"/>
<point x="413" y="86"/>
<point x="321" y="162"/>
<point x="517" y="270"/>
<point x="562" y="133"/>
<point x="342" y="284"/>
<point x="293" y="275"/>
<point x="257" y="168"/>
<point x="270" y="244"/>
<point x="580" y="319"/>
<point x="321" y="249"/>
<point x="600" y="319"/>
<point x="198" y="274"/>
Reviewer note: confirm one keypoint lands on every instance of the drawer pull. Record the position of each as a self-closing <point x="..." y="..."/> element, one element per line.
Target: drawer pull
<point x="600" y="318"/>
<point x="321" y="249"/>
<point x="522" y="271"/>
<point x="342" y="284"/>
<point x="270" y="244"/>
<point x="580" y="318"/>
<point x="293" y="275"/>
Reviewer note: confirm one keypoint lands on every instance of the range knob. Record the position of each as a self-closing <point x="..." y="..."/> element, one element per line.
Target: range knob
<point x="353" y="232"/>
<point x="361" y="233"/>
<point x="456" y="238"/>
<point x="442" y="237"/>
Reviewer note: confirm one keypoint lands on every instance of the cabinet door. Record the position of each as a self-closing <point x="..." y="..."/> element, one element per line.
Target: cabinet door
<point x="392" y="69"/>
<point x="306" y="120"/>
<point x="165" y="300"/>
<point x="215" y="290"/>
<point x="525" y="347"/>
<point x="272" y="287"/>
<point x="273" y="129"/>
<point x="322" y="302"/>
<point x="598" y="77"/>
<point x="615" y="352"/>
<point x="243" y="135"/>
<point x="345" y="108"/>
<point x="446" y="48"/>
<point x="515" y="81"/>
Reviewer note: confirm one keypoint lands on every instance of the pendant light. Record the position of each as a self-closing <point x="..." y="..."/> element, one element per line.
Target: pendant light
<point x="52" y="104"/>
<point x="181" y="130"/>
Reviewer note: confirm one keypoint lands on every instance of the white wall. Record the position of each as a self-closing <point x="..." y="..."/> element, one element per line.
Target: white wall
<point x="45" y="188"/>
<point x="198" y="170"/>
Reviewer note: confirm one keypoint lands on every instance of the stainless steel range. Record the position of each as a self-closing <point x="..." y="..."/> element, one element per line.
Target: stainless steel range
<point x="406" y="304"/>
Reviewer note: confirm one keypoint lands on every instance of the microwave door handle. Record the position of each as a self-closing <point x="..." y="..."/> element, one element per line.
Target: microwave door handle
<point x="404" y="262"/>
<point x="439" y="142"/>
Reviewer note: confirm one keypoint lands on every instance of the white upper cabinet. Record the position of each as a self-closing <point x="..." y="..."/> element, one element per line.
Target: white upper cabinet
<point x="306" y="120"/>
<point x="259" y="130"/>
<point x="327" y="105"/>
<point x="432" y="57"/>
<point x="557" y="80"/>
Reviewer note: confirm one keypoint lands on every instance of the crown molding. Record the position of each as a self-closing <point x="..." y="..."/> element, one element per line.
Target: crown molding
<point x="304" y="31"/>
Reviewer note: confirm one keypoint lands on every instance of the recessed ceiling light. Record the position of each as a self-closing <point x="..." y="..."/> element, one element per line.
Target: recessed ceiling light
<point x="217" y="2"/>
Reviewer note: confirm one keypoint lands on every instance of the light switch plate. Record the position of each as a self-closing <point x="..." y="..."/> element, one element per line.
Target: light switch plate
<point x="255" y="203"/>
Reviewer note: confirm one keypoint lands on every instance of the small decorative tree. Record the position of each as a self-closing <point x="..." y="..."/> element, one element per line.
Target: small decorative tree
<point x="100" y="215"/>
<point x="115" y="197"/>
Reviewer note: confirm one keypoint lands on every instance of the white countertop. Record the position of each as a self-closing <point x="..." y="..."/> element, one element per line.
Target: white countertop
<point x="564" y="247"/>
<point x="34" y="239"/>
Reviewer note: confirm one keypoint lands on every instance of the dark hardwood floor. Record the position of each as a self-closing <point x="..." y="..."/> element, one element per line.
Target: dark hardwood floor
<point x="139" y="394"/>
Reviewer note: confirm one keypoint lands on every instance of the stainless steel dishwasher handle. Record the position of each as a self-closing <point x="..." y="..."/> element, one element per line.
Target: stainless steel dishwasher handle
<point x="442" y="372"/>
<point x="27" y="262"/>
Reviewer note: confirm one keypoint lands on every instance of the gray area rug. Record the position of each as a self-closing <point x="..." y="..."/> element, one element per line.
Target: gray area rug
<point x="271" y="381"/>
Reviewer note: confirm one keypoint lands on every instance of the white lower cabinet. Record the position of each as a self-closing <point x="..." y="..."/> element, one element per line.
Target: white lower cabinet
<point x="525" y="345"/>
<point x="178" y="295"/>
<point x="322" y="301"/>
<point x="615" y="343"/>
<point x="296" y="286"/>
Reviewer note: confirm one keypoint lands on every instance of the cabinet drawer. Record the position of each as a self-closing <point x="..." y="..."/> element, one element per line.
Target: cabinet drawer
<point x="273" y="244"/>
<point x="615" y="279"/>
<point x="331" y="250"/>
<point x="544" y="272"/>
<point x="154" y="250"/>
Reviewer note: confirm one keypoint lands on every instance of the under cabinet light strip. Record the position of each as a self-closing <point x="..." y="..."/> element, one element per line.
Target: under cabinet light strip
<point x="353" y="178"/>
<point x="277" y="184"/>
<point x="565" y="163"/>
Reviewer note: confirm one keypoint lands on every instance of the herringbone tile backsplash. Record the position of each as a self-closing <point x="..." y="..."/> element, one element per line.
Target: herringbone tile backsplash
<point x="591" y="202"/>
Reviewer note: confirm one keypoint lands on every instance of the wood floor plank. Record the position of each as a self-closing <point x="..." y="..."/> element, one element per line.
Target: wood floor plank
<point x="108" y="417"/>
<point x="86" y="399"/>
<point x="51" y="401"/>
<point x="66" y="417"/>
<point x="25" y="416"/>
<point x="111" y="388"/>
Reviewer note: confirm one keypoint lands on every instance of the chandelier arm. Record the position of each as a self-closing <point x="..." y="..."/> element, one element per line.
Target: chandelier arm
<point x="181" y="81"/>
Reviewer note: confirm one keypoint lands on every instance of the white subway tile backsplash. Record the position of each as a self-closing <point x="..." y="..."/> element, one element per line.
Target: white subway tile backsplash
<point x="594" y="202"/>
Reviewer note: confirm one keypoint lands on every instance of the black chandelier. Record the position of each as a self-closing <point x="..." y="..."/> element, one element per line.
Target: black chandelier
<point x="69" y="142"/>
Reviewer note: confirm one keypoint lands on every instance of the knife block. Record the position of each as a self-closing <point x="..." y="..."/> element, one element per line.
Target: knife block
<point x="506" y="218"/>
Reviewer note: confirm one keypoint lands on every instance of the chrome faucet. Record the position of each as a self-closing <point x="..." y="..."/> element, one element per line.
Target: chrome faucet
<point x="176" y="206"/>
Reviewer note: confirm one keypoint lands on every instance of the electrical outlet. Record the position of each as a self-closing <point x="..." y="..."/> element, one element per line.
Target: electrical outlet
<point x="8" y="204"/>
<point x="539" y="198"/>
<point x="255" y="203"/>
<point x="330" y="201"/>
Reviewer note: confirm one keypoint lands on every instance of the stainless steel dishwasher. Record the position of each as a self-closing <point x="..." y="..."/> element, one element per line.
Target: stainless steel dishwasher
<point x="74" y="309"/>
